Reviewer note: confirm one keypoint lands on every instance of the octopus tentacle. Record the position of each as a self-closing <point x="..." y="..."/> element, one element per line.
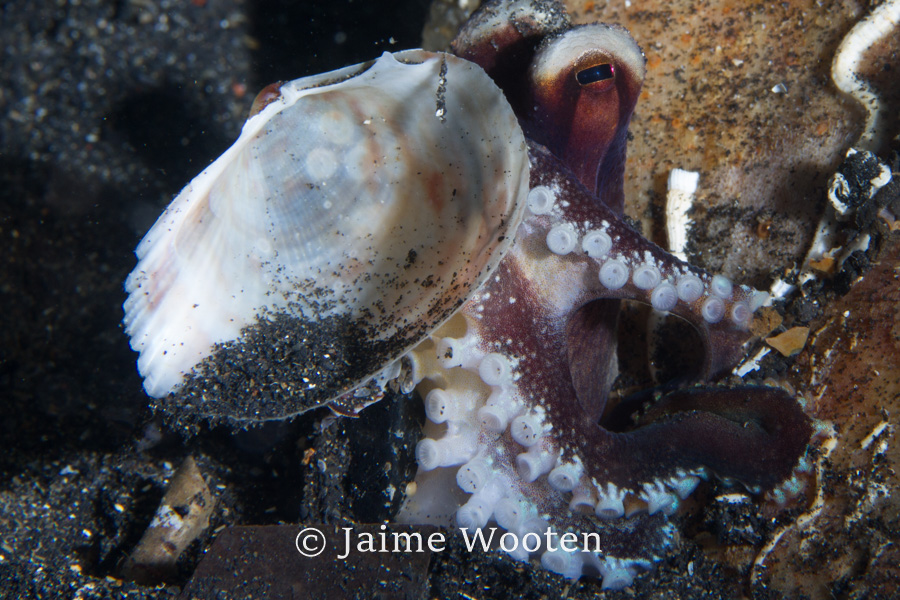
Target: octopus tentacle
<point x="517" y="384"/>
<point x="612" y="260"/>
<point x="522" y="316"/>
<point x="751" y="434"/>
<point x="506" y="408"/>
<point x="591" y="347"/>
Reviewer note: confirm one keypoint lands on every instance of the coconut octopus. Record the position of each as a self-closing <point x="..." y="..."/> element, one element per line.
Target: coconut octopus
<point x="454" y="223"/>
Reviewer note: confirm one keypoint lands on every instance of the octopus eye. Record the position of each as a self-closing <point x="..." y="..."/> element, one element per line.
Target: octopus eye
<point x="601" y="72"/>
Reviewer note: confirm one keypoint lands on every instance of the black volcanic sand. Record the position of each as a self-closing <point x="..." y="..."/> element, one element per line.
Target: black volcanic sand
<point x="282" y="366"/>
<point x="109" y="108"/>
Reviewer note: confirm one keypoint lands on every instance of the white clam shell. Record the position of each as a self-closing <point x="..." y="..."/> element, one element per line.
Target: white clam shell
<point x="385" y="193"/>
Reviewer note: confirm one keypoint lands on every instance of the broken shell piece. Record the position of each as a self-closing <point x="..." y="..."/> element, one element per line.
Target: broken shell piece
<point x="791" y="341"/>
<point x="856" y="182"/>
<point x="379" y="195"/>
<point x="182" y="515"/>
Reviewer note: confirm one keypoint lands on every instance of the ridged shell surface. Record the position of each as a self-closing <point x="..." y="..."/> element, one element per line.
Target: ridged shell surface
<point x="384" y="193"/>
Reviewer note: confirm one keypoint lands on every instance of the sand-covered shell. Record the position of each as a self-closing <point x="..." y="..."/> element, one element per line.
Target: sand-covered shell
<point x="376" y="197"/>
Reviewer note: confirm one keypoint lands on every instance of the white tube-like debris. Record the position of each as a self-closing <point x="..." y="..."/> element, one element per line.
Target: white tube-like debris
<point x="845" y="68"/>
<point x="680" y="197"/>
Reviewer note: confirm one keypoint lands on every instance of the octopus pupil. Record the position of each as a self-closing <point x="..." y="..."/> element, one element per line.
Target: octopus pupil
<point x="596" y="73"/>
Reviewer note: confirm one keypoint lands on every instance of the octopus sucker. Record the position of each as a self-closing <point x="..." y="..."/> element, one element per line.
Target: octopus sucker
<point x="454" y="224"/>
<point x="535" y="414"/>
